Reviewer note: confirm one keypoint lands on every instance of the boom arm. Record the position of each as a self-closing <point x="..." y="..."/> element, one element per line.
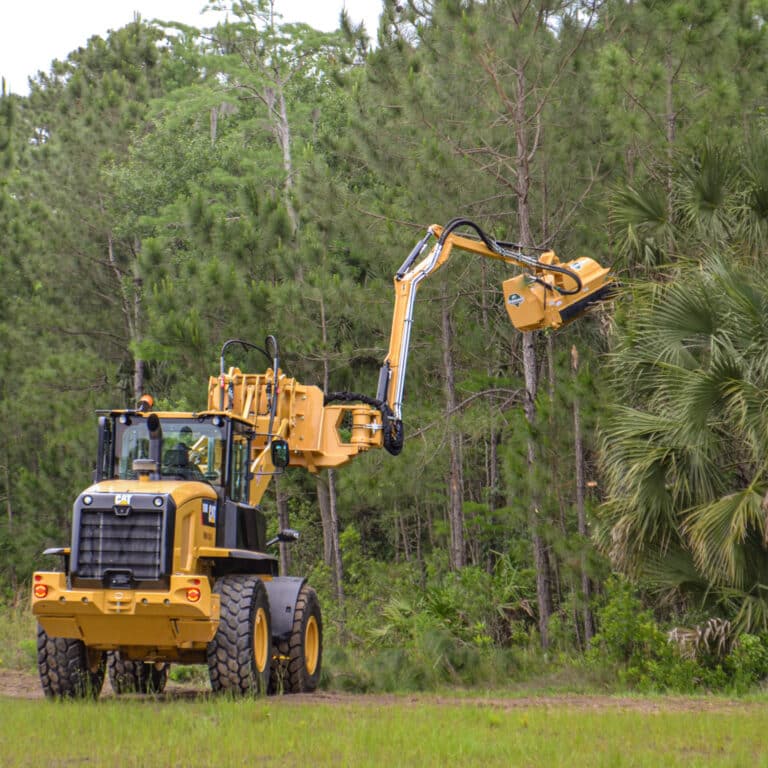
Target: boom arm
<point x="549" y="295"/>
<point x="321" y="433"/>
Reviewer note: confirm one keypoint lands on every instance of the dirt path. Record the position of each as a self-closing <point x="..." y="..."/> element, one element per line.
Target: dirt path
<point x="26" y="685"/>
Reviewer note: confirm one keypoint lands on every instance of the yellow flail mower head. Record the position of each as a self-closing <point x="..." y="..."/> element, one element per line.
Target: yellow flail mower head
<point x="548" y="294"/>
<point x="555" y="294"/>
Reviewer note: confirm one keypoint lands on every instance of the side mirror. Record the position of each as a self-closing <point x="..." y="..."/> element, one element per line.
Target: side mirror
<point x="286" y="536"/>
<point x="281" y="454"/>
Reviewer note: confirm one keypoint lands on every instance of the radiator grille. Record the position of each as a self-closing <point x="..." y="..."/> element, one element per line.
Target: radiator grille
<point x="126" y="542"/>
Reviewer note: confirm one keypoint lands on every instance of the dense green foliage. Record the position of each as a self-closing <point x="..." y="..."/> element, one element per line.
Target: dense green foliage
<point x="165" y="189"/>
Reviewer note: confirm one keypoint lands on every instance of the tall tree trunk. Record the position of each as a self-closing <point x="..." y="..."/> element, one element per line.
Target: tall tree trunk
<point x="670" y="125"/>
<point x="9" y="513"/>
<point x="137" y="326"/>
<point x="540" y="554"/>
<point x="8" y="504"/>
<point x="283" y="129"/>
<point x="283" y="521"/>
<point x="326" y="520"/>
<point x="131" y="300"/>
<point x="338" y="572"/>
<point x="455" y="471"/>
<point x="557" y="586"/>
<point x="578" y="447"/>
<point x="522" y="189"/>
<point x="494" y="497"/>
<point x="327" y="489"/>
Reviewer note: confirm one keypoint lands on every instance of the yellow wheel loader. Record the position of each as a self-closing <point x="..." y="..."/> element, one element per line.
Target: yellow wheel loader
<point x="169" y="560"/>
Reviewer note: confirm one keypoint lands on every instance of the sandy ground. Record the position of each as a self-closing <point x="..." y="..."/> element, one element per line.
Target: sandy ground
<point x="26" y="685"/>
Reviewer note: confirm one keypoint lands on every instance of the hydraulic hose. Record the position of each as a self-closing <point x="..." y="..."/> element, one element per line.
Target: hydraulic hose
<point x="504" y="250"/>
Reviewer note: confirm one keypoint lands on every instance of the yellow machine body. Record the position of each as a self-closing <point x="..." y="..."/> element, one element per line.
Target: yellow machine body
<point x="143" y="624"/>
<point x="312" y="429"/>
<point x="163" y="624"/>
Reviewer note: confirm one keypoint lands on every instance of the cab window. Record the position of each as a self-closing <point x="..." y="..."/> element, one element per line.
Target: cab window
<point x="192" y="449"/>
<point x="241" y="453"/>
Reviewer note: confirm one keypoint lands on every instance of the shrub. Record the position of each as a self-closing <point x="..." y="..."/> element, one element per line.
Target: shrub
<point x="628" y="633"/>
<point x="643" y="658"/>
<point x="748" y="661"/>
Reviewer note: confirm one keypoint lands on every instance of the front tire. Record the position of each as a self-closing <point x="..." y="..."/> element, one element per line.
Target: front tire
<point x="68" y="669"/>
<point x="128" y="676"/>
<point x="299" y="658"/>
<point x="240" y="653"/>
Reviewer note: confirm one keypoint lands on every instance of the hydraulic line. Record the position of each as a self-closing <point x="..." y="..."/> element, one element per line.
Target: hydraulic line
<point x="503" y="249"/>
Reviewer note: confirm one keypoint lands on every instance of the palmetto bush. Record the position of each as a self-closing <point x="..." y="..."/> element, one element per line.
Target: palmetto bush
<point x="685" y="443"/>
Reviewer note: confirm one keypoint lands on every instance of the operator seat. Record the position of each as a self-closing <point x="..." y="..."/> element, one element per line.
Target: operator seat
<point x="176" y="461"/>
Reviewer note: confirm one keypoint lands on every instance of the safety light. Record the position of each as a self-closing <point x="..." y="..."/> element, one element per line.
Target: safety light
<point x="193" y="594"/>
<point x="41" y="590"/>
<point x="146" y="402"/>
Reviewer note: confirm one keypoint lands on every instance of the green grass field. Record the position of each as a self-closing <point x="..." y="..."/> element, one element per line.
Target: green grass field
<point x="377" y="731"/>
<point x="549" y="721"/>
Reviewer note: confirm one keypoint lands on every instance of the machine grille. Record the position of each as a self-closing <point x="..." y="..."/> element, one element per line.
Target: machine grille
<point x="121" y="542"/>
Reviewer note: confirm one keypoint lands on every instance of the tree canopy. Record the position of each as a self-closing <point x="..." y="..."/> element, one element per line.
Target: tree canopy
<point x="165" y="188"/>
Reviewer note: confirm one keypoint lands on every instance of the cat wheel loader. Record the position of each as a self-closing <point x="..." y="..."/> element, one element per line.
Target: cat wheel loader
<point x="169" y="561"/>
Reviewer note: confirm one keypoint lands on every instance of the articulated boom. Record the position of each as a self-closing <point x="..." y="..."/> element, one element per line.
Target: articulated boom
<point x="548" y="294"/>
<point x="318" y="435"/>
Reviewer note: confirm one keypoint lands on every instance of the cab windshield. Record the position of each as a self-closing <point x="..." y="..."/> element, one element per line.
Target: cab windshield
<point x="193" y="449"/>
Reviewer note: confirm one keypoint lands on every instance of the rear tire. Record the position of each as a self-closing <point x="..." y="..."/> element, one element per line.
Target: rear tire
<point x="240" y="653"/>
<point x="128" y="676"/>
<point x="296" y="668"/>
<point x="68" y="669"/>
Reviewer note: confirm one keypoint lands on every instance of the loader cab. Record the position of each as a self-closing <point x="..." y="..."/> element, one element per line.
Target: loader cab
<point x="212" y="448"/>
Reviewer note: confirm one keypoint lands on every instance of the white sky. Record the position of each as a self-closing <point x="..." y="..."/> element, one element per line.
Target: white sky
<point x="32" y="36"/>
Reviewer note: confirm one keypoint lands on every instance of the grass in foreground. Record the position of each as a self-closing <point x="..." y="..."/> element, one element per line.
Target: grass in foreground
<point x="371" y="731"/>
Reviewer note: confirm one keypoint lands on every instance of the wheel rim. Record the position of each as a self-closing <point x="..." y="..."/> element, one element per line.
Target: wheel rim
<point x="312" y="645"/>
<point x="260" y="640"/>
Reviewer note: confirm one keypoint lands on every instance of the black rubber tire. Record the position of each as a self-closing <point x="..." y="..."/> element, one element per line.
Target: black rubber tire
<point x="64" y="668"/>
<point x="298" y="661"/>
<point x="128" y="676"/>
<point x="240" y="653"/>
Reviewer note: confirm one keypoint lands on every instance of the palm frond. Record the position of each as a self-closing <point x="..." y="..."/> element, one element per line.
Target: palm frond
<point x="718" y="531"/>
<point x="685" y="451"/>
<point x="640" y="218"/>
<point x="749" y="609"/>
<point x="752" y="211"/>
<point x="704" y="193"/>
